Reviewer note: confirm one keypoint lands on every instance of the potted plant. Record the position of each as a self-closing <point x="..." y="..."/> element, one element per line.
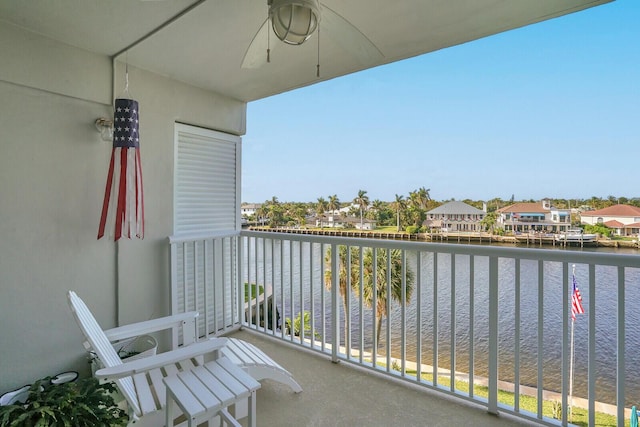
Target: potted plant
<point x="82" y="403"/>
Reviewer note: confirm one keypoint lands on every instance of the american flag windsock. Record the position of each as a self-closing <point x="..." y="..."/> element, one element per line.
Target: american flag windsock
<point x="123" y="195"/>
<point x="576" y="301"/>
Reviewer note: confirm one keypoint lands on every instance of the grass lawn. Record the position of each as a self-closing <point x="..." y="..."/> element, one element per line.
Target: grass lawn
<point x="253" y="291"/>
<point x="527" y="403"/>
<point x="388" y="229"/>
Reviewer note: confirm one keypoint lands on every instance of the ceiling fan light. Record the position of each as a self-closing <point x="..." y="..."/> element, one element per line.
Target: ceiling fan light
<point x="294" y="21"/>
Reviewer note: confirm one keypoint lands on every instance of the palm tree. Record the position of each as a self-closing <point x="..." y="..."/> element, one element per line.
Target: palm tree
<point x="362" y="200"/>
<point x="333" y="204"/>
<point x="299" y="212"/>
<point x="342" y="277"/>
<point x="381" y="290"/>
<point x="399" y="205"/>
<point x="321" y="207"/>
<point x="377" y="209"/>
<point x="497" y="201"/>
<point x="275" y="213"/>
<point x="423" y="197"/>
<point x="418" y="203"/>
<point x="489" y="221"/>
<point x="261" y="213"/>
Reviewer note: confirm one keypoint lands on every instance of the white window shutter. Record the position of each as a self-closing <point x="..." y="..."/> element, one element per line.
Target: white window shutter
<point x="206" y="183"/>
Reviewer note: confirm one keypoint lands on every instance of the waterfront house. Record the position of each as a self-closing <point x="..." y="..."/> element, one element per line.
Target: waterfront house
<point x="249" y="209"/>
<point x="63" y="64"/>
<point x="340" y="221"/>
<point x="528" y="217"/>
<point x="455" y="216"/>
<point x="624" y="220"/>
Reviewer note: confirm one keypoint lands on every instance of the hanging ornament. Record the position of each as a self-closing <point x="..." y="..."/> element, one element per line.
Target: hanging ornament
<point x="123" y="195"/>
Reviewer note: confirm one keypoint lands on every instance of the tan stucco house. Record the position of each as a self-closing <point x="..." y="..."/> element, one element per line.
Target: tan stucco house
<point x="623" y="219"/>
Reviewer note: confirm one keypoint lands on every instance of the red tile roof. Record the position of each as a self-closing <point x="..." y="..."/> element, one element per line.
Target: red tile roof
<point x="615" y="210"/>
<point x="614" y="224"/>
<point x="524" y="208"/>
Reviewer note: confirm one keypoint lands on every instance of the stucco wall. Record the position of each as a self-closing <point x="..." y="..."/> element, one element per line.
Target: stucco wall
<point x="52" y="174"/>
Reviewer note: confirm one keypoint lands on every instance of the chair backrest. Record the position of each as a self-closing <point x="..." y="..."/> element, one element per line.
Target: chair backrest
<point x="103" y="348"/>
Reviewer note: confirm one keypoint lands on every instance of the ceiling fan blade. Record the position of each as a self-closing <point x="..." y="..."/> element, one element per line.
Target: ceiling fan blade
<point x="256" y="55"/>
<point x="347" y="35"/>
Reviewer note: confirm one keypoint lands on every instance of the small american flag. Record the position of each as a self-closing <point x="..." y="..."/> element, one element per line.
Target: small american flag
<point x="576" y="300"/>
<point x="123" y="195"/>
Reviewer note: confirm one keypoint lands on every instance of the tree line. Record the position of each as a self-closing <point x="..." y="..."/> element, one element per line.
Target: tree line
<point x="405" y="210"/>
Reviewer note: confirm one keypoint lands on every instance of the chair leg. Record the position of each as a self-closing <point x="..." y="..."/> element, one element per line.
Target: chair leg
<point x="168" y="411"/>
<point x="252" y="409"/>
<point x="226" y="416"/>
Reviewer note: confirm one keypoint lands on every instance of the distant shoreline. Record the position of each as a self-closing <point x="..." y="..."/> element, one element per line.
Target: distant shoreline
<point x="529" y="240"/>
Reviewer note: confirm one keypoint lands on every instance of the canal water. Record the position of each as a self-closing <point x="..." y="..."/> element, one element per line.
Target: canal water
<point x="308" y="276"/>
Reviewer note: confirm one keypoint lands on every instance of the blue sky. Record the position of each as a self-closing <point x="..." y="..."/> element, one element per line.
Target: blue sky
<point x="549" y="110"/>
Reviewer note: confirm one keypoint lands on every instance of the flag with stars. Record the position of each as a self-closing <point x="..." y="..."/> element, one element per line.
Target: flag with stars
<point x="123" y="196"/>
<point x="576" y="300"/>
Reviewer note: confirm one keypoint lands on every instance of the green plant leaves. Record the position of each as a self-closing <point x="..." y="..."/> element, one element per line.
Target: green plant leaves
<point x="84" y="403"/>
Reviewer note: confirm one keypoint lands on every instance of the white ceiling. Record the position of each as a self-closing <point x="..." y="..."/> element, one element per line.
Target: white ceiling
<point x="203" y="43"/>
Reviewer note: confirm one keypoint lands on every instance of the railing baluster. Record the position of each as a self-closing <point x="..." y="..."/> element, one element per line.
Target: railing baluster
<point x="242" y="241"/>
<point x="274" y="307"/>
<point x="516" y="364"/>
<point x="323" y="304"/>
<point x="419" y="316"/>
<point x="591" y="369"/>
<point x="493" y="335"/>
<point x="403" y="316"/>
<point x="195" y="278"/>
<point x="434" y="368"/>
<point x="620" y="339"/>
<point x="540" y="381"/>
<point x="312" y="310"/>
<point x="471" y="322"/>
<point x="174" y="290"/>
<point x="185" y="280"/>
<point x="388" y="311"/>
<point x="253" y="243"/>
<point x="452" y="323"/>
<point x="566" y="353"/>
<point x="347" y="306"/>
<point x="223" y="297"/>
<point x="205" y="257"/>
<point x="335" y="318"/>
<point x="361" y="301"/>
<point x="374" y="305"/>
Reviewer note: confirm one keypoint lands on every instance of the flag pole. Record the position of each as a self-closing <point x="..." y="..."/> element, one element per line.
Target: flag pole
<point x="573" y="320"/>
<point x="571" y="375"/>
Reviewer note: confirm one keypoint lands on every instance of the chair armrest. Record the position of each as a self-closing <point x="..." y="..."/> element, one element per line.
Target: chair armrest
<point x="149" y="326"/>
<point x="159" y="360"/>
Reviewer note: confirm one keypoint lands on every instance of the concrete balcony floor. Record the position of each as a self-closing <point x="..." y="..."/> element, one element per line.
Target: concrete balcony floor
<point x="341" y="395"/>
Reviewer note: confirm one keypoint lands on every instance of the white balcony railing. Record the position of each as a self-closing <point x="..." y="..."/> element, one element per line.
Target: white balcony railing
<point x="466" y="320"/>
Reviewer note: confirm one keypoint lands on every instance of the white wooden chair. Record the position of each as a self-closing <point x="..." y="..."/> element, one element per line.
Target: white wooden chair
<point x="141" y="381"/>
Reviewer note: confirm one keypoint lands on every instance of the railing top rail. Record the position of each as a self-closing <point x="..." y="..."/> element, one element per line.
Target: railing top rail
<point x="202" y="236"/>
<point x="557" y="255"/>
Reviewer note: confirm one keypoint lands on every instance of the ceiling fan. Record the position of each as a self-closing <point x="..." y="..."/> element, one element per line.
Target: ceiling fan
<point x="295" y="21"/>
